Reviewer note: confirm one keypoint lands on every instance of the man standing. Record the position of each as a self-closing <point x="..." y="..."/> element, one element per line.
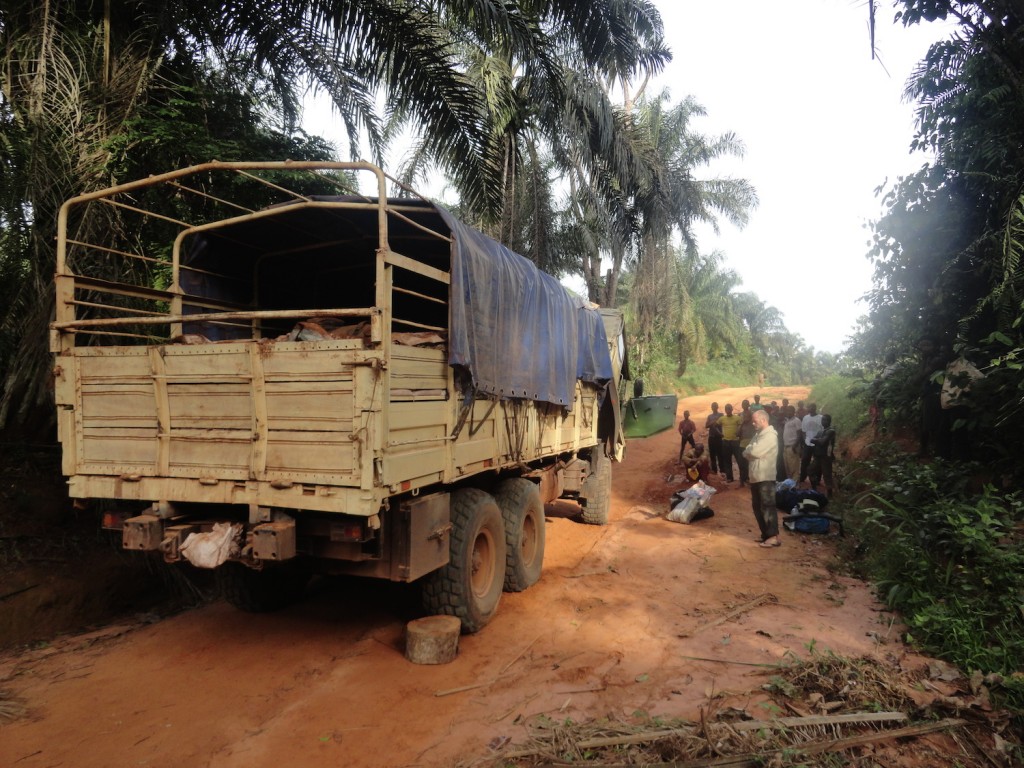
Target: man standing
<point x="810" y="425"/>
<point x="777" y="418"/>
<point x="746" y="435"/>
<point x="730" y="440"/>
<point x="714" y="430"/>
<point x="824" y="455"/>
<point x="686" y="430"/>
<point x="791" y="451"/>
<point x="761" y="455"/>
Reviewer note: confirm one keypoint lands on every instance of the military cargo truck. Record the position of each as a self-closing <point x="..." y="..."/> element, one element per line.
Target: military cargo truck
<point x="274" y="369"/>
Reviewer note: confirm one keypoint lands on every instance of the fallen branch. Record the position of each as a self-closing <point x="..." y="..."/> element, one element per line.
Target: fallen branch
<point x="523" y="703"/>
<point x="765" y="598"/>
<point x="752" y="725"/>
<point x="868" y="738"/>
<point x="633" y="738"/>
<point x="579" y="690"/>
<point x="816" y="720"/>
<point x="464" y="688"/>
<point x="518" y="657"/>
<point x="749" y="725"/>
<point x="733" y="661"/>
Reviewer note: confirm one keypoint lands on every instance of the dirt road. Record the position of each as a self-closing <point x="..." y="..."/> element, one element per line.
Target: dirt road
<point x="627" y="618"/>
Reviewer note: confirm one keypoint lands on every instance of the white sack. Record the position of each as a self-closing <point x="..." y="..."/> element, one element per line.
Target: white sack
<point x="213" y="548"/>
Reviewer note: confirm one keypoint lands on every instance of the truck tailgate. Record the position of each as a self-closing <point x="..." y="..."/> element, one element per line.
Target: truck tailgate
<point x="232" y="411"/>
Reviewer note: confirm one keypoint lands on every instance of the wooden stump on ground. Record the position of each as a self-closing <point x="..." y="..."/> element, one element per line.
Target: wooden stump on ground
<point x="432" y="640"/>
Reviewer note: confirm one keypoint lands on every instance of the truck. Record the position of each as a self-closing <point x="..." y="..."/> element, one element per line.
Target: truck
<point x="277" y="370"/>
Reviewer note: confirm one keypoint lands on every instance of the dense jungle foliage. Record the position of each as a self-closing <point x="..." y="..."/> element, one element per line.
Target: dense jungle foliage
<point x="936" y="362"/>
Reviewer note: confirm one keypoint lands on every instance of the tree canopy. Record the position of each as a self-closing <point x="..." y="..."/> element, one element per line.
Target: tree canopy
<point x="946" y="250"/>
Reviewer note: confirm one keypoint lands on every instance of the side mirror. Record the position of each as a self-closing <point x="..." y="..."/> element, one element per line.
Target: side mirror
<point x="638" y="388"/>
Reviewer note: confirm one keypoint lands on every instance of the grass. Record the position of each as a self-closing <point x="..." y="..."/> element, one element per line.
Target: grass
<point x="842" y="398"/>
<point x="700" y="379"/>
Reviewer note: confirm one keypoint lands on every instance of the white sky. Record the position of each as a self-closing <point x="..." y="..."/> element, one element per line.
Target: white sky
<point x="824" y="125"/>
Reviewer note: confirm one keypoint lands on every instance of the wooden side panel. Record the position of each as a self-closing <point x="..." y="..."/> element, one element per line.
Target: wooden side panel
<point x="118" y="451"/>
<point x="323" y="457"/>
<point x="418" y="416"/>
<point x="281" y="412"/>
<point x="115" y="422"/>
<point x="299" y="415"/>
<point x="419" y="373"/>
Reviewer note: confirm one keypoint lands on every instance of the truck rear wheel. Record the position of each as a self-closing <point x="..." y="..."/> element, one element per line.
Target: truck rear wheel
<point x="270" y="589"/>
<point x="596" y="493"/>
<point x="523" y="512"/>
<point x="469" y="586"/>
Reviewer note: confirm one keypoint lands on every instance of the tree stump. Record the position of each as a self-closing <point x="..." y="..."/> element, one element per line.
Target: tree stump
<point x="432" y="640"/>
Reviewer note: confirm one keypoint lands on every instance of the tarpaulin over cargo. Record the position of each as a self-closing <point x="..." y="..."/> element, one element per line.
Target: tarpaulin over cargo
<point x="516" y="330"/>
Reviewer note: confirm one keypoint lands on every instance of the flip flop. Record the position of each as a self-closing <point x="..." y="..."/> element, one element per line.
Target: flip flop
<point x="766" y="545"/>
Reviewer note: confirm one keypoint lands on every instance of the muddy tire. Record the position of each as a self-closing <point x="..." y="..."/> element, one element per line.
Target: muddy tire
<point x="469" y="586"/>
<point x="523" y="513"/>
<point x="596" y="493"/>
<point x="271" y="589"/>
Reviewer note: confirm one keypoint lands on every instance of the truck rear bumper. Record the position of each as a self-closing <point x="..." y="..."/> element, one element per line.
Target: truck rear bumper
<point x="316" y="498"/>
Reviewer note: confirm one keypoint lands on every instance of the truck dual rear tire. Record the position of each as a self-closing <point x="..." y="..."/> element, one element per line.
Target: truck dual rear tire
<point x="270" y="589"/>
<point x="523" y="513"/>
<point x="596" y="493"/>
<point x="469" y="586"/>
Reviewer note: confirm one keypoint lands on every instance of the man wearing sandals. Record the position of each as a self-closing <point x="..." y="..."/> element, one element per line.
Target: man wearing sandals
<point x="761" y="454"/>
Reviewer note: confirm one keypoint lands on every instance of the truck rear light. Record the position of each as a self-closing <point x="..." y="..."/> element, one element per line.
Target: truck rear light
<point x="113" y="521"/>
<point x="347" y="532"/>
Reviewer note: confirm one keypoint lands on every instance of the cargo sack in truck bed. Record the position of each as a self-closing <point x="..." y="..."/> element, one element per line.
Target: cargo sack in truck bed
<point x="516" y="330"/>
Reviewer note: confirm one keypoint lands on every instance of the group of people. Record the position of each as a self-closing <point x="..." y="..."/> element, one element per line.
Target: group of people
<point x="768" y="443"/>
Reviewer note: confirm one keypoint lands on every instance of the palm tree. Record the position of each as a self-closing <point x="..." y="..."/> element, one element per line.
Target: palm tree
<point x="703" y="310"/>
<point x="74" y="74"/>
<point x="540" y="134"/>
<point x="673" y="199"/>
<point x="768" y="333"/>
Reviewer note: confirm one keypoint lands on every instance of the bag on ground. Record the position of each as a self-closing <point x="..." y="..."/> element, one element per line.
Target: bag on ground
<point x="685" y="505"/>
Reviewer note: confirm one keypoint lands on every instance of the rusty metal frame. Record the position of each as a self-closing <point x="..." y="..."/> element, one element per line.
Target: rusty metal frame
<point x="67" y="323"/>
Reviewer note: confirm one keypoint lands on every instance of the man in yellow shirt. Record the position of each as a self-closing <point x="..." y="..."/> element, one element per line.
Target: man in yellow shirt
<point x="730" y="441"/>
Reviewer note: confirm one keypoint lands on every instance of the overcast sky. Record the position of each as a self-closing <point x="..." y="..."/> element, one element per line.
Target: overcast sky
<point x="823" y="125"/>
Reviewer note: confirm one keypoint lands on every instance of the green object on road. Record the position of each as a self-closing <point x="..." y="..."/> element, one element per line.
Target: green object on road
<point x="645" y="416"/>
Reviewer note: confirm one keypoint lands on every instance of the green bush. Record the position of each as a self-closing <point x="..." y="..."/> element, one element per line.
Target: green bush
<point x="948" y="556"/>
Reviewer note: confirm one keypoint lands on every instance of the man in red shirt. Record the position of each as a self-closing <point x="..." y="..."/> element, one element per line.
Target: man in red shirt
<point x="686" y="431"/>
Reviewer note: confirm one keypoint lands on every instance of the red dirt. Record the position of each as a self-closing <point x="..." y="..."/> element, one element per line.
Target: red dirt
<point x="623" y="620"/>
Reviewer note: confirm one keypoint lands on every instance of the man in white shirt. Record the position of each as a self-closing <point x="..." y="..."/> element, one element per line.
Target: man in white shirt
<point x="810" y="427"/>
<point x="761" y="453"/>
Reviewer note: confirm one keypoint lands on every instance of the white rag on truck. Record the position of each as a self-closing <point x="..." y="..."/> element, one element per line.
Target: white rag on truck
<point x="213" y="548"/>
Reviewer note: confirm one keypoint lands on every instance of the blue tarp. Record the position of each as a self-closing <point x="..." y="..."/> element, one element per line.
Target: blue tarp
<point x="518" y="331"/>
